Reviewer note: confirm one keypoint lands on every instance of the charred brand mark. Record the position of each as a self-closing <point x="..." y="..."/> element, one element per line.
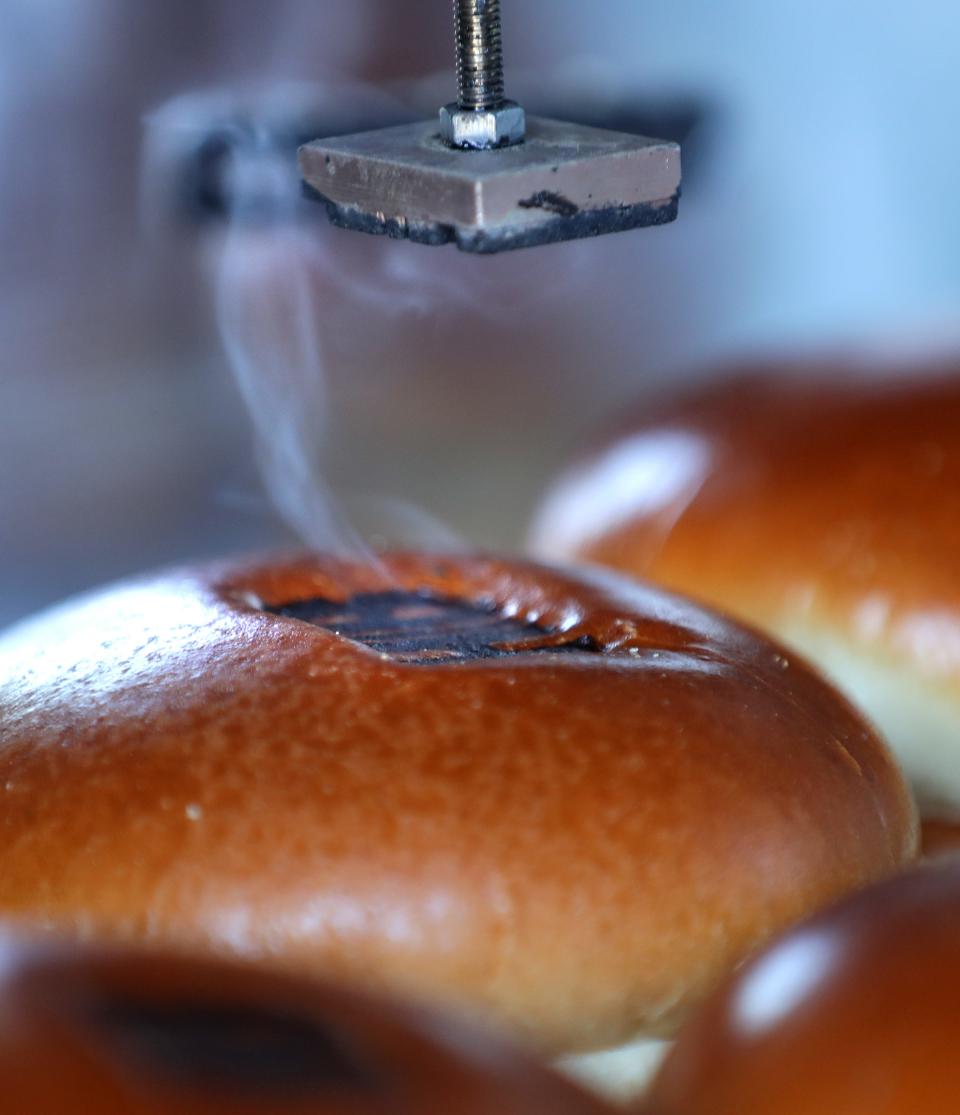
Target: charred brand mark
<point x="420" y="628"/>
<point x="238" y="1048"/>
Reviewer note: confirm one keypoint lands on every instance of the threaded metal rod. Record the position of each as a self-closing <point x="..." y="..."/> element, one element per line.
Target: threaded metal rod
<point x="479" y="54"/>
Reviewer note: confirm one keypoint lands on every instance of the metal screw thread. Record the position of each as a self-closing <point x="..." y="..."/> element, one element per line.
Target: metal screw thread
<point x="479" y="54"/>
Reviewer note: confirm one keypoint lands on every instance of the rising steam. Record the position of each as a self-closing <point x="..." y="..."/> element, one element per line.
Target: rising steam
<point x="272" y="315"/>
<point x="288" y="289"/>
<point x="269" y="325"/>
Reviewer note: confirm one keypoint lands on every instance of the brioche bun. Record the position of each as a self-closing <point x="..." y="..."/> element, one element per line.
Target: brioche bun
<point x="574" y="822"/>
<point x="104" y="1033"/>
<point x="821" y="506"/>
<point x="854" y="1013"/>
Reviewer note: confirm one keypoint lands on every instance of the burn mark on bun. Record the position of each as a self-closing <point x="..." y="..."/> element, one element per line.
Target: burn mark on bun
<point x="420" y="628"/>
<point x="234" y="1048"/>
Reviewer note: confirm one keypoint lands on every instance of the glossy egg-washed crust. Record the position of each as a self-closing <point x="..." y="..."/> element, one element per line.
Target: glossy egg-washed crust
<point x="106" y="1033"/>
<point x="575" y="844"/>
<point x="817" y="501"/>
<point x="853" y="1014"/>
<point x="818" y="489"/>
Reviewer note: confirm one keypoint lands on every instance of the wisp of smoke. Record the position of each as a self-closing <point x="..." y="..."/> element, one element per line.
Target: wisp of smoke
<point x="272" y="272"/>
<point x="287" y="287"/>
<point x="270" y="330"/>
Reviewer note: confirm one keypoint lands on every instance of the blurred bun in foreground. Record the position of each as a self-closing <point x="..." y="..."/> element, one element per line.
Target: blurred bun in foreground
<point x="570" y="804"/>
<point x="115" y="1033"/>
<point x="819" y="504"/>
<point x="854" y="1013"/>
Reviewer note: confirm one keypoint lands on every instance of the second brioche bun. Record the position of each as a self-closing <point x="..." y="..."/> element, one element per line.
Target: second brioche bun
<point x="821" y="504"/>
<point x="100" y="1032"/>
<point x="854" y="1013"/>
<point x="575" y="829"/>
<point x="940" y="838"/>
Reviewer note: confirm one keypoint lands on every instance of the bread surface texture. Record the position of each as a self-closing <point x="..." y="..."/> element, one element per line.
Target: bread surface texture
<point x="576" y="845"/>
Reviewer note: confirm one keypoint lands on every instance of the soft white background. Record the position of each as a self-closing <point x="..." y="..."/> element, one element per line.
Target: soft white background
<point x="823" y="212"/>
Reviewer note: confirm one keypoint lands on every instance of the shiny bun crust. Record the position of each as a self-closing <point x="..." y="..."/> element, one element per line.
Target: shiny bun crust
<point x="853" y="1013"/>
<point x="940" y="838"/>
<point x="575" y="836"/>
<point x="821" y="505"/>
<point x="100" y="1033"/>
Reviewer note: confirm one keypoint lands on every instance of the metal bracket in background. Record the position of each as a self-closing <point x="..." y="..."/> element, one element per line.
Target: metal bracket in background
<point x="566" y="181"/>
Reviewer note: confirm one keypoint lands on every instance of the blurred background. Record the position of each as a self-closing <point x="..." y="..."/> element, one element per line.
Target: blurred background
<point x="819" y="213"/>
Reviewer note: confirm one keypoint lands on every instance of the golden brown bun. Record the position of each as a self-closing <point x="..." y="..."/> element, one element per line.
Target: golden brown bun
<point x="575" y="844"/>
<point x="855" y="1013"/>
<point x="823" y="507"/>
<point x="940" y="838"/>
<point x="101" y="1033"/>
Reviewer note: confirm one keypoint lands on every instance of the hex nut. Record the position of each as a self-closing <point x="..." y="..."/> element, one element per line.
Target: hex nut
<point x="483" y="128"/>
